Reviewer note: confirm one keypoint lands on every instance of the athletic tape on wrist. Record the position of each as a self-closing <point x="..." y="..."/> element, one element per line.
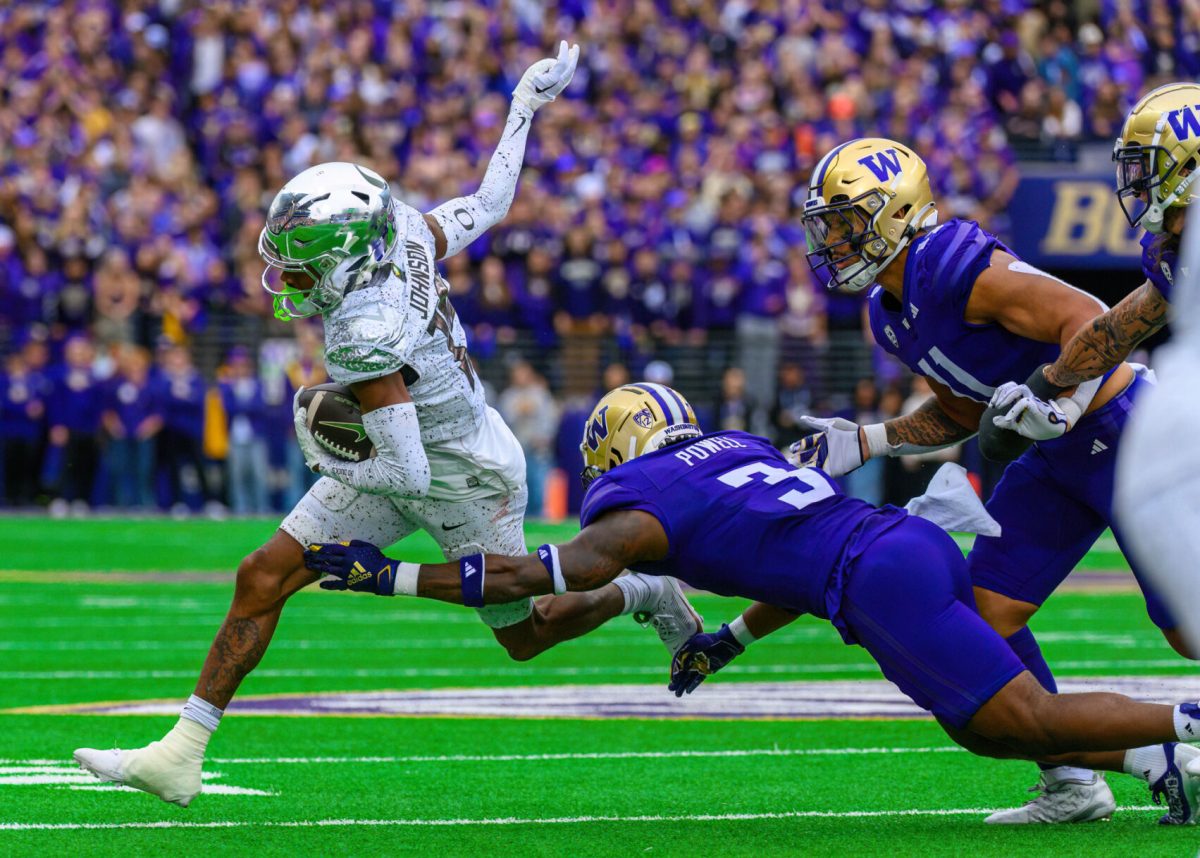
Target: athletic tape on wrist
<point x="877" y="442"/>
<point x="405" y="583"/>
<point x="741" y="633"/>
<point x="548" y="554"/>
<point x="1071" y="409"/>
<point x="470" y="573"/>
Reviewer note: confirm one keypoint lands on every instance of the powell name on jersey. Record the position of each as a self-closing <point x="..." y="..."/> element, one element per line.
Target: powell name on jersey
<point x="928" y="332"/>
<point x="730" y="495"/>
<point x="402" y="321"/>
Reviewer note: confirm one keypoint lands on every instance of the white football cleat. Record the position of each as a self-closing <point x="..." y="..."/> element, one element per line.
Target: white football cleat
<point x="1061" y="801"/>
<point x="668" y="611"/>
<point x="1193" y="767"/>
<point x="169" y="768"/>
<point x="1179" y="785"/>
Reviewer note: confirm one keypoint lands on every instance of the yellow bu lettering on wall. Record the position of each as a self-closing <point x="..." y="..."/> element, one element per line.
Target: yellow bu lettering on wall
<point x="1086" y="220"/>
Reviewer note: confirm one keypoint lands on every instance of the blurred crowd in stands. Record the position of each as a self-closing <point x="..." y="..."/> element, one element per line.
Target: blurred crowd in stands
<point x="140" y="141"/>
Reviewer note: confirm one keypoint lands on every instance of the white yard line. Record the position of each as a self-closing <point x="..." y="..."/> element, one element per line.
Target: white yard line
<point x="514" y="820"/>
<point x="614" y="670"/>
<point x="72" y="619"/>
<point x="310" y="673"/>
<point x="606" y="636"/>
<point x="209" y="789"/>
<point x="15" y="765"/>
<point x="340" y="644"/>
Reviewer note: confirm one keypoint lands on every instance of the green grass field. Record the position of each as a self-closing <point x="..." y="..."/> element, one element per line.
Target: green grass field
<point x="339" y="782"/>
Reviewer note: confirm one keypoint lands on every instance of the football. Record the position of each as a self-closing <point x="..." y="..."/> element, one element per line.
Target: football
<point x="335" y="420"/>
<point x="999" y="445"/>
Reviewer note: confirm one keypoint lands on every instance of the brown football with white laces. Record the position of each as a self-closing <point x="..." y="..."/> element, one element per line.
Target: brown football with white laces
<point x="335" y="420"/>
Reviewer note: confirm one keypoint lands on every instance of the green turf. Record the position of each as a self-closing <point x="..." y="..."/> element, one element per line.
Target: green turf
<point x="164" y="545"/>
<point x="75" y="642"/>
<point x="160" y="544"/>
<point x="567" y="788"/>
<point x="134" y="638"/>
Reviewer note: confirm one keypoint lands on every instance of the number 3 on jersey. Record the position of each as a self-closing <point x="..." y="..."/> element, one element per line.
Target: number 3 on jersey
<point x="812" y="486"/>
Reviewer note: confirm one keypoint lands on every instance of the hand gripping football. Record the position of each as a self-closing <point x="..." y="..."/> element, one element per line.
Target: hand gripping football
<point x="335" y="420"/>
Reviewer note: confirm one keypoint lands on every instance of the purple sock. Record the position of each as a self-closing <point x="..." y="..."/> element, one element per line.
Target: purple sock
<point x="1026" y="648"/>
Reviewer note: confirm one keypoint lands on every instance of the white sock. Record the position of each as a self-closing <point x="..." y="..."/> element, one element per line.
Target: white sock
<point x="1148" y="763"/>
<point x="202" y="712"/>
<point x="637" y="591"/>
<point x="1068" y="773"/>
<point x="1187" y="722"/>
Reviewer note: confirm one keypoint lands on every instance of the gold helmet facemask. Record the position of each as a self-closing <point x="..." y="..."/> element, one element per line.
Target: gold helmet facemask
<point x="866" y="200"/>
<point x="631" y="420"/>
<point x="1157" y="154"/>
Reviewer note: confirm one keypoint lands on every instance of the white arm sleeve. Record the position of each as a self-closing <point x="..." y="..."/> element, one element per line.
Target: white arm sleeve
<point x="400" y="466"/>
<point x="464" y="219"/>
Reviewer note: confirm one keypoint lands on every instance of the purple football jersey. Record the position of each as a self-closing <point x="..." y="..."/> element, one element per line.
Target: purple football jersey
<point x="927" y="331"/>
<point x="742" y="521"/>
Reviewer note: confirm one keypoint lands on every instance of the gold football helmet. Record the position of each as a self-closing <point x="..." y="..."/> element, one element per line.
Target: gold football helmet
<point x="632" y="420"/>
<point x="1156" y="154"/>
<point x="866" y="200"/>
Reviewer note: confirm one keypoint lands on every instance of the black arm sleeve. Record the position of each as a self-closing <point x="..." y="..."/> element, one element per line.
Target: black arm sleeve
<point x="1004" y="445"/>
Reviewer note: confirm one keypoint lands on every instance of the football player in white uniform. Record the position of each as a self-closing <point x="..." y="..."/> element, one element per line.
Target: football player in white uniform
<point x="338" y="245"/>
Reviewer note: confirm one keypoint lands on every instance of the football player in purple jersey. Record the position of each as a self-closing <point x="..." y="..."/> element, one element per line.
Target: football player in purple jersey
<point x="959" y="308"/>
<point x="726" y="512"/>
<point x="1158" y="482"/>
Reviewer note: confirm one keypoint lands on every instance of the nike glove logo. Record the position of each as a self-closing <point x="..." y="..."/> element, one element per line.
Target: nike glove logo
<point x="544" y="89"/>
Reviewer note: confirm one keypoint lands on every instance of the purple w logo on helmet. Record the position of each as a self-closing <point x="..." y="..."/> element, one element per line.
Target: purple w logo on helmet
<point x="884" y="165"/>
<point x="1184" y="122"/>
<point x="597" y="430"/>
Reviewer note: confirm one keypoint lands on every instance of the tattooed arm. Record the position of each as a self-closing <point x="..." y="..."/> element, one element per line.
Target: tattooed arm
<point x="1110" y="337"/>
<point x="943" y="420"/>
<point x="592" y="559"/>
<point x="838" y="446"/>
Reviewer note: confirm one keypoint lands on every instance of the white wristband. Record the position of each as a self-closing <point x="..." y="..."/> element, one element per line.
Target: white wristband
<point x="877" y="442"/>
<point x="740" y="633"/>
<point x="560" y="582"/>
<point x="1071" y="409"/>
<point x="405" y="582"/>
<point x="548" y="554"/>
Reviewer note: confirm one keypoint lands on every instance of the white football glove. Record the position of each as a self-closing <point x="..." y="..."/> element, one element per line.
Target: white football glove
<point x="833" y="447"/>
<point x="314" y="455"/>
<point x="545" y="79"/>
<point x="1026" y="414"/>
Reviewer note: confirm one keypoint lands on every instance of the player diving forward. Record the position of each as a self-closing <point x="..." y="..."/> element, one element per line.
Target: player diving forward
<point x="1158" y="469"/>
<point x="957" y="307"/>
<point x="445" y="463"/>
<point x="727" y="513"/>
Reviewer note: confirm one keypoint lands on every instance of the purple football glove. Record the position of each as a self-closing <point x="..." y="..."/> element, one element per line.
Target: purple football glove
<point x="354" y="565"/>
<point x="702" y="655"/>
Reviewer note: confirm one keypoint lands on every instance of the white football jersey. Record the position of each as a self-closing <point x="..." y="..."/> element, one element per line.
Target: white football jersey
<point x="402" y="321"/>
